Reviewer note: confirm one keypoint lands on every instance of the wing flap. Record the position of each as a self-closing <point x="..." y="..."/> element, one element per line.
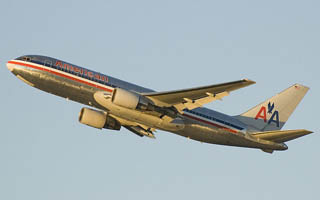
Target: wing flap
<point x="281" y="136"/>
<point x="191" y="104"/>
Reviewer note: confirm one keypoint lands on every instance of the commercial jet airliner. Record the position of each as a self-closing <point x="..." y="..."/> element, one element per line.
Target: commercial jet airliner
<point x="142" y="111"/>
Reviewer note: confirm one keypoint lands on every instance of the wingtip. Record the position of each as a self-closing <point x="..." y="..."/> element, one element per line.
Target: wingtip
<point x="305" y="132"/>
<point x="249" y="81"/>
<point x="297" y="85"/>
<point x="308" y="132"/>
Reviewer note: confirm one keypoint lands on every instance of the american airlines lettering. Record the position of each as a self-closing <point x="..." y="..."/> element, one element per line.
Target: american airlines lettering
<point x="81" y="71"/>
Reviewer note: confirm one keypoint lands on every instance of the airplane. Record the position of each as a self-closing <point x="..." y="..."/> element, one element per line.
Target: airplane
<point x="142" y="111"/>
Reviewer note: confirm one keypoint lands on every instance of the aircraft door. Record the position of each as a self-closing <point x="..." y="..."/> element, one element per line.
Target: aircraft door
<point x="48" y="63"/>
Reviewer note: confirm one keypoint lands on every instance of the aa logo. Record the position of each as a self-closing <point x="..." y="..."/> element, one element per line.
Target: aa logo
<point x="262" y="114"/>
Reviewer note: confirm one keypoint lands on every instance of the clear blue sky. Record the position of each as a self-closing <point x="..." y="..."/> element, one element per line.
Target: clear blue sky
<point x="45" y="153"/>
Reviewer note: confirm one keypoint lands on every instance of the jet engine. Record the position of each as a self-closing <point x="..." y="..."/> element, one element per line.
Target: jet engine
<point x="131" y="100"/>
<point x="98" y="119"/>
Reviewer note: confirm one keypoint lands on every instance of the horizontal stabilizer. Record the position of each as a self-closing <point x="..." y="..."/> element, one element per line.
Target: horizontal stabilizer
<point x="281" y="136"/>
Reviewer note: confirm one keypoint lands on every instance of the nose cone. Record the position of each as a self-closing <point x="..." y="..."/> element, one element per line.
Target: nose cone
<point x="10" y="66"/>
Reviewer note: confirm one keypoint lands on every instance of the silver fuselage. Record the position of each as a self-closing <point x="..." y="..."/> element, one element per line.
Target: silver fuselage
<point x="80" y="84"/>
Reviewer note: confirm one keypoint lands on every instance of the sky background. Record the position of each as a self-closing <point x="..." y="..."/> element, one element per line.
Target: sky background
<point x="45" y="153"/>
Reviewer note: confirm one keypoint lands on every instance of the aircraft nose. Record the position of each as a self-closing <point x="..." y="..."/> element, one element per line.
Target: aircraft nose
<point x="10" y="66"/>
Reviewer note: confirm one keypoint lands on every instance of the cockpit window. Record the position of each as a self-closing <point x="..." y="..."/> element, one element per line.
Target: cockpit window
<point x="24" y="58"/>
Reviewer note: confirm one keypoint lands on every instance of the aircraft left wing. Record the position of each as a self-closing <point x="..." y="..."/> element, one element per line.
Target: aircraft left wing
<point x="140" y="131"/>
<point x="136" y="128"/>
<point x="196" y="97"/>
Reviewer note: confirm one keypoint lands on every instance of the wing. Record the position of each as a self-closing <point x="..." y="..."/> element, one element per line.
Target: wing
<point x="138" y="129"/>
<point x="196" y="97"/>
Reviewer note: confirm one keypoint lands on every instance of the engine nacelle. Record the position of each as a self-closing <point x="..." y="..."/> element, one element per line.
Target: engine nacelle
<point x="131" y="100"/>
<point x="98" y="119"/>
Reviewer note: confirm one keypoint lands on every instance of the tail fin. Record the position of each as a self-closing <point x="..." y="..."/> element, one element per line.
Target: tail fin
<point x="273" y="113"/>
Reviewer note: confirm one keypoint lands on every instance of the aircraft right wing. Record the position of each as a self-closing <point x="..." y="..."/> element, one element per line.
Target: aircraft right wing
<point x="196" y="97"/>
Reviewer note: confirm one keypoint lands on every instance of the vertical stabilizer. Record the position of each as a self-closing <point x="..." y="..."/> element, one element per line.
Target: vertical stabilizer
<point x="273" y="113"/>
